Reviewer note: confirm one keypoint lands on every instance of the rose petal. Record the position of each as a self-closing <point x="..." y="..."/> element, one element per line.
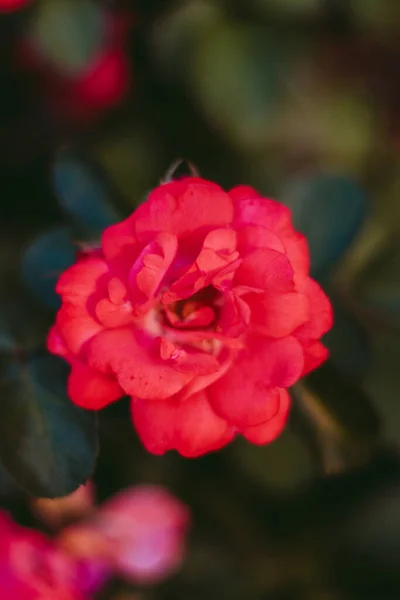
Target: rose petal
<point x="191" y="427"/>
<point x="315" y="354"/>
<point x="251" y="208"/>
<point x="116" y="237"/>
<point x="251" y="237"/>
<point x="77" y="326"/>
<point x="266" y="269"/>
<point x="183" y="207"/>
<point x="90" y="389"/>
<point x="296" y="248"/>
<point x="217" y="255"/>
<point x="117" y="291"/>
<point x="120" y="246"/>
<point x="321" y="315"/>
<point x="150" y="268"/>
<point x="82" y="280"/>
<point x="188" y="360"/>
<point x="199" y="429"/>
<point x="270" y="430"/>
<point x="278" y="315"/>
<point x="135" y="359"/>
<point x="56" y="344"/>
<point x="248" y="387"/>
<point x="235" y="315"/>
<point x="199" y="317"/>
<point x="112" y="315"/>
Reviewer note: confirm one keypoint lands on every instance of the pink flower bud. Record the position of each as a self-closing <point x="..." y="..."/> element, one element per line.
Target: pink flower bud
<point x="140" y="534"/>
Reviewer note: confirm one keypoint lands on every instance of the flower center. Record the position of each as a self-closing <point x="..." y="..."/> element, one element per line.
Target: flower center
<point x="197" y="312"/>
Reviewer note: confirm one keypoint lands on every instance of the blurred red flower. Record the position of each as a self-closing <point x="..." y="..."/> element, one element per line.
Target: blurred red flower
<point x="99" y="86"/>
<point x="140" y="534"/>
<point x="11" y="5"/>
<point x="33" y="568"/>
<point x="200" y="307"/>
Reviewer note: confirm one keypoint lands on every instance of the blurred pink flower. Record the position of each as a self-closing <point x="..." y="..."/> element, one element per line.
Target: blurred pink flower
<point x="140" y="534"/>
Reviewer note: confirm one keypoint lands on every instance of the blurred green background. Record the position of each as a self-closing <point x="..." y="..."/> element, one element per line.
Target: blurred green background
<point x="300" y="99"/>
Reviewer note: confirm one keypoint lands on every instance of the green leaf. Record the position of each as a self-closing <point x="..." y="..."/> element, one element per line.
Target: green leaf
<point x="47" y="444"/>
<point x="176" y="31"/>
<point x="83" y="193"/>
<point x="329" y="210"/>
<point x="238" y="75"/>
<point x="69" y="33"/>
<point x="348" y="343"/>
<point x="44" y="261"/>
<point x="378" y="288"/>
<point x="282" y="465"/>
<point x="22" y="324"/>
<point x="341" y="414"/>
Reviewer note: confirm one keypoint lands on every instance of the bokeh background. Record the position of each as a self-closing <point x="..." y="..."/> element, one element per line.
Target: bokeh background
<point x="300" y="99"/>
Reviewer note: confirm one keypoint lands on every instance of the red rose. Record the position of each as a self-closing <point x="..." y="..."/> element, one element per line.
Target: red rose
<point x="199" y="306"/>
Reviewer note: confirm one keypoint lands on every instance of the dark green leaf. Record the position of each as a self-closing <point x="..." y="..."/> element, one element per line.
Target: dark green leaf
<point x="44" y="261"/>
<point x="22" y="324"/>
<point x="348" y="343"/>
<point x="346" y="406"/>
<point x="237" y="79"/>
<point x="341" y="415"/>
<point x="48" y="444"/>
<point x="378" y="287"/>
<point x="83" y="194"/>
<point x="329" y="210"/>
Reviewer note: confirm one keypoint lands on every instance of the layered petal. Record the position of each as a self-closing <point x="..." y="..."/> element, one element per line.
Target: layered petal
<point x="278" y="315"/>
<point x="55" y="343"/>
<point x="321" y="315"/>
<point x="134" y="357"/>
<point x="267" y="432"/>
<point x="246" y="394"/>
<point x="251" y="208"/>
<point x="235" y="315"/>
<point x="191" y="427"/>
<point x="217" y="257"/>
<point x="77" y="326"/>
<point x="296" y="249"/>
<point x="183" y="207"/>
<point x="91" y="389"/>
<point x="188" y="359"/>
<point x="250" y="237"/>
<point x="87" y="277"/>
<point x="113" y="315"/>
<point x="149" y="270"/>
<point x="120" y="246"/>
<point x="266" y="269"/>
<point x="315" y="354"/>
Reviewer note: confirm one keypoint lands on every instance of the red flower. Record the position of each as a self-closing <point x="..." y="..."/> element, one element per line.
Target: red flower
<point x="102" y="85"/>
<point x="33" y="568"/>
<point x="199" y="306"/>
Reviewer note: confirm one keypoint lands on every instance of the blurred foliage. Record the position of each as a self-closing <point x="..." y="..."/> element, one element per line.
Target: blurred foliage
<point x="300" y="99"/>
